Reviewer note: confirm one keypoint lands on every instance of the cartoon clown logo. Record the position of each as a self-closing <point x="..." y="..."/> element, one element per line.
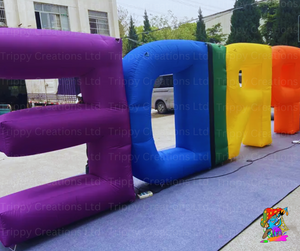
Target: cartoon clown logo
<point x="274" y="225"/>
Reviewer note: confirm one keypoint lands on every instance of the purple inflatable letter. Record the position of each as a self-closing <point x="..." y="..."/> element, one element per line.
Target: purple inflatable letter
<point x="97" y="61"/>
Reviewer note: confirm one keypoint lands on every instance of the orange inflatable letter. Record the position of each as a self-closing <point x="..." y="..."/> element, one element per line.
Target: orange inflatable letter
<point x="286" y="89"/>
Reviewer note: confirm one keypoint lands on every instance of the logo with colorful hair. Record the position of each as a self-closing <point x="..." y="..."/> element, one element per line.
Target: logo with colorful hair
<point x="274" y="226"/>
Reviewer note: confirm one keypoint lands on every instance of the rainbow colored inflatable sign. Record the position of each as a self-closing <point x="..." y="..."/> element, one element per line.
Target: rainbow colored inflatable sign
<point x="214" y="116"/>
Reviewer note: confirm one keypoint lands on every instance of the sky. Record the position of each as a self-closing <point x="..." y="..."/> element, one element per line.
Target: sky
<point x="183" y="9"/>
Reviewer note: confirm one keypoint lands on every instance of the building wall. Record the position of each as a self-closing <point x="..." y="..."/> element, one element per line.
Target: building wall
<point x="21" y="12"/>
<point x="224" y="19"/>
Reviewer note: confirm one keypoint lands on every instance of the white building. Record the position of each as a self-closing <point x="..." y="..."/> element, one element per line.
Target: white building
<point x="87" y="16"/>
<point x="223" y="17"/>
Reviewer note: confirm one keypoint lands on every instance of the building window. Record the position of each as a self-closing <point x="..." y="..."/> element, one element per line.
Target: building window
<point x="53" y="17"/>
<point x="99" y="22"/>
<point x="2" y="14"/>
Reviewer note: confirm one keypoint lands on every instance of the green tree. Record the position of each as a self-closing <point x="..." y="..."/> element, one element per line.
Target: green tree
<point x="215" y="34"/>
<point x="166" y="27"/>
<point x="132" y="37"/>
<point x="167" y="24"/>
<point x="169" y="20"/>
<point x="123" y="21"/>
<point x="146" y="35"/>
<point x="245" y="23"/>
<point x="185" y="31"/>
<point x="286" y="25"/>
<point x="200" y="31"/>
<point x="269" y="15"/>
<point x="163" y="34"/>
<point x="163" y="26"/>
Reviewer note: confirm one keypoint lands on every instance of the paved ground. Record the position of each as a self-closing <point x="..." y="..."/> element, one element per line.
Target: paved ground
<point x="22" y="173"/>
<point x="251" y="237"/>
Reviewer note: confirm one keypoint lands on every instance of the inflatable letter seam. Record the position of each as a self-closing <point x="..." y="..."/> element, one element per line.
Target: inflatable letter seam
<point x="55" y="54"/>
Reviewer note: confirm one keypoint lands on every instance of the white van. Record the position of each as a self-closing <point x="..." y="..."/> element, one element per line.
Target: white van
<point x="163" y="94"/>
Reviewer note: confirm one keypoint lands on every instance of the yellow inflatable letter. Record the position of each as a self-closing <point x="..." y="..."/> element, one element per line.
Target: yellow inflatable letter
<point x="248" y="105"/>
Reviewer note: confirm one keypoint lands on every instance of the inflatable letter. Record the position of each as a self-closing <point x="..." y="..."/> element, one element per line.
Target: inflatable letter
<point x="188" y="61"/>
<point x="286" y="89"/>
<point x="249" y="105"/>
<point x="94" y="59"/>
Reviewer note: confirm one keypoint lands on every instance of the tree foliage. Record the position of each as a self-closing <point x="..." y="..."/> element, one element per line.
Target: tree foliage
<point x="269" y="15"/>
<point x="123" y="21"/>
<point x="186" y="31"/>
<point x="132" y="37"/>
<point x="286" y="25"/>
<point x="163" y="27"/>
<point x="200" y="31"/>
<point x="169" y="20"/>
<point x="245" y="23"/>
<point x="215" y="34"/>
<point x="147" y="34"/>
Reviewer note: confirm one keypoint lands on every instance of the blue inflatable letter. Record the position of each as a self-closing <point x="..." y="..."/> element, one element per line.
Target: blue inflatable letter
<point x="188" y="61"/>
